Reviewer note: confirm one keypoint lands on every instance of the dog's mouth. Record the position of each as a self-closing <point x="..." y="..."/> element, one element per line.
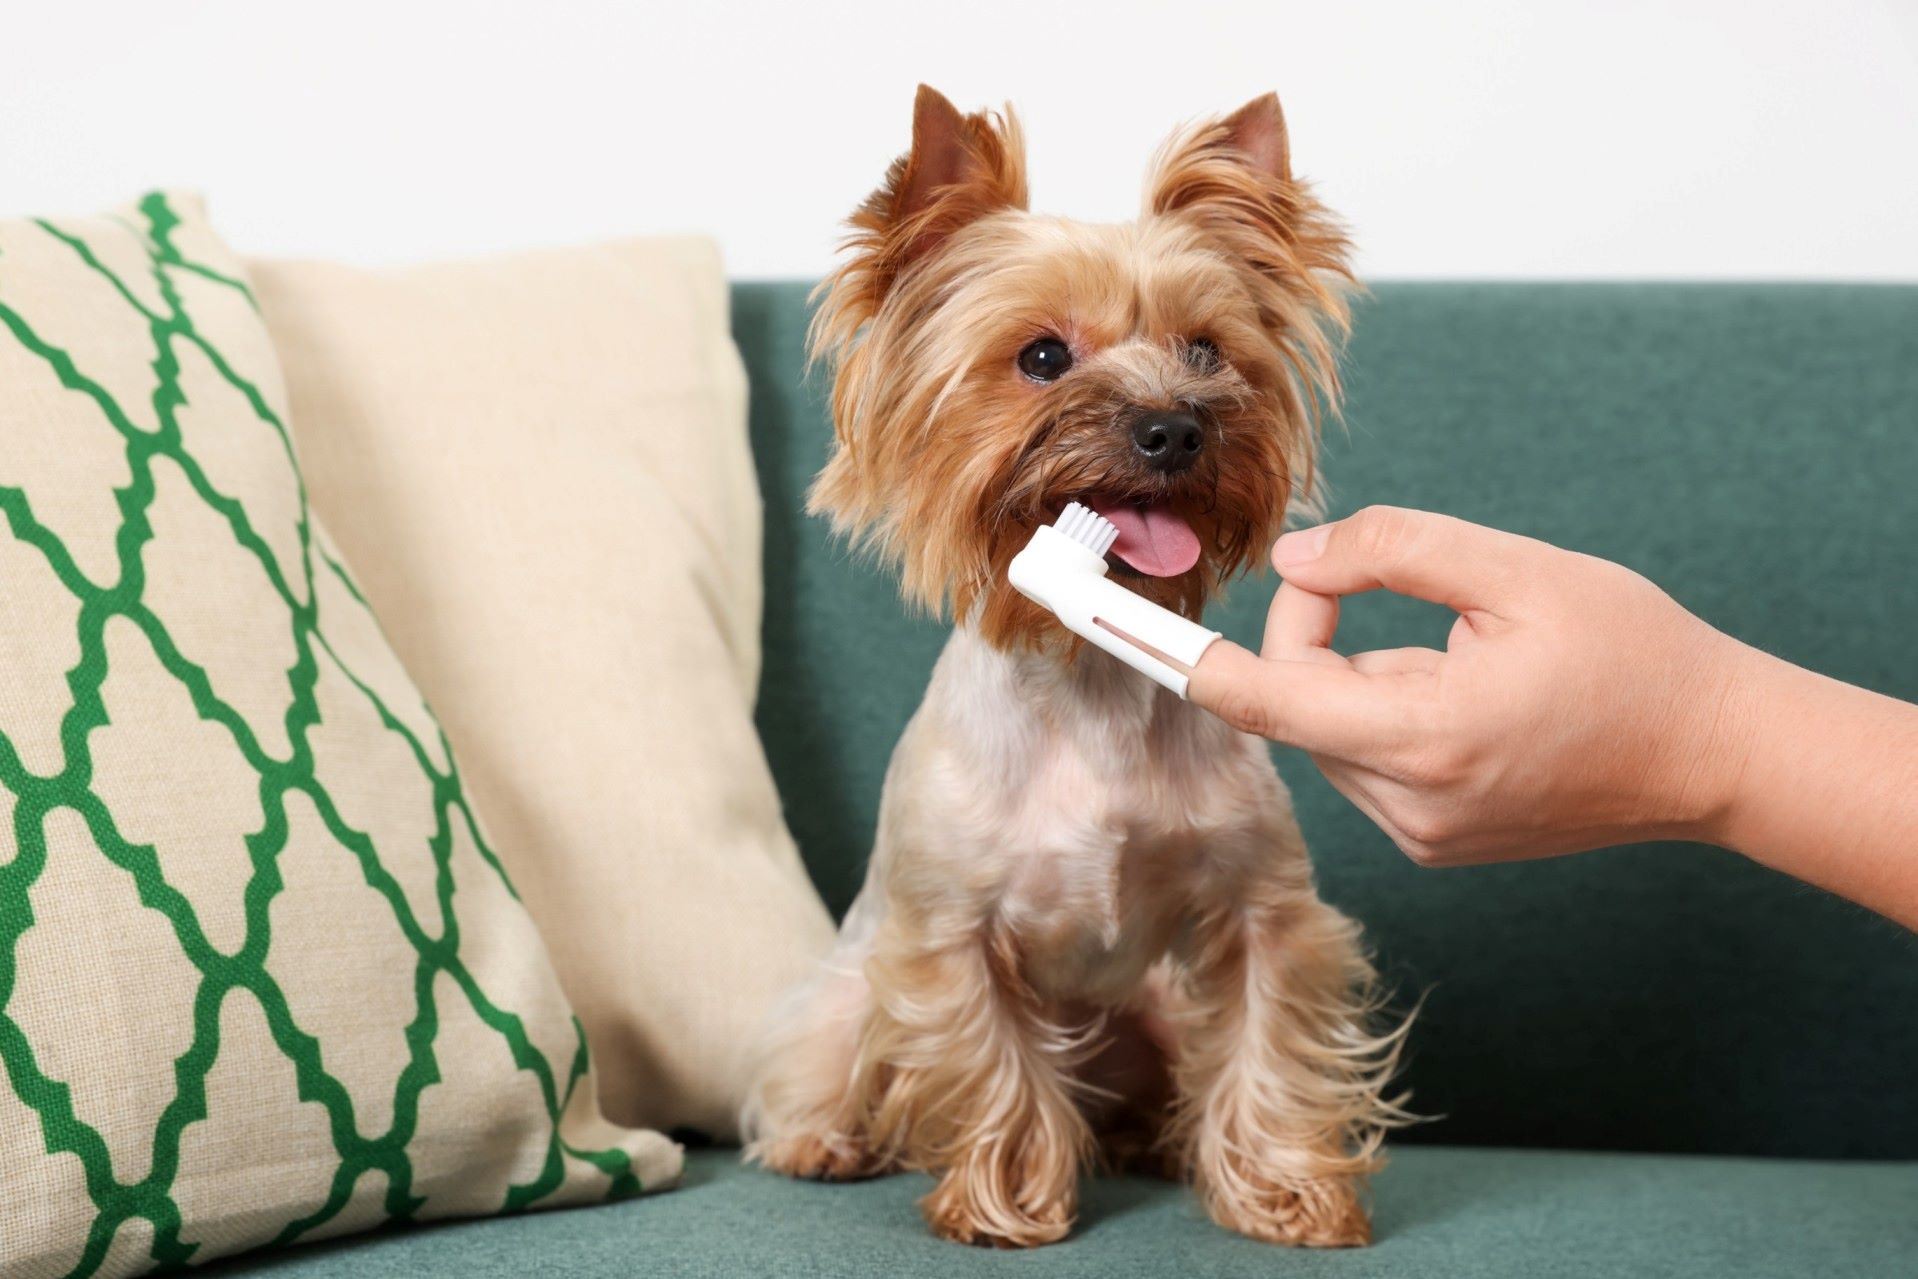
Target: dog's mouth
<point x="1154" y="539"/>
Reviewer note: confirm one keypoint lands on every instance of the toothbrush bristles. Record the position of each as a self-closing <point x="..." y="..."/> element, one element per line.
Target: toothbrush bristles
<point x="1088" y="528"/>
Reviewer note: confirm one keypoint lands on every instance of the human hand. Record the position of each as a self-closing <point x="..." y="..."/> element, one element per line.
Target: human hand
<point x="1575" y="705"/>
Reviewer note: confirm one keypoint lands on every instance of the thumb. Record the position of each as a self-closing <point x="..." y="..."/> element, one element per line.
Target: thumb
<point x="1432" y="557"/>
<point x="1325" y="709"/>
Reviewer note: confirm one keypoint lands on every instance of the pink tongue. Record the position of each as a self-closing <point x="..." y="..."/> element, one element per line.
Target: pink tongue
<point x="1152" y="538"/>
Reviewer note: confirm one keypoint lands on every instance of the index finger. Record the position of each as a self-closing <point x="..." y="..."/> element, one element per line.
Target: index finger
<point x="1322" y="708"/>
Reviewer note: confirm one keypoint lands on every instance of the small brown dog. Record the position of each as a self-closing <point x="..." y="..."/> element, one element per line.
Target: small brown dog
<point x="1089" y="919"/>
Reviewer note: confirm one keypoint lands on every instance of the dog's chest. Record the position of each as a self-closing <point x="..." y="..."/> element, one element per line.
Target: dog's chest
<point x="1112" y="833"/>
<point x="1076" y="803"/>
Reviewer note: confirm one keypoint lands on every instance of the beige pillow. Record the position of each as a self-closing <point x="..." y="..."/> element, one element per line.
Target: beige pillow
<point x="540" y="465"/>
<point x="261" y="979"/>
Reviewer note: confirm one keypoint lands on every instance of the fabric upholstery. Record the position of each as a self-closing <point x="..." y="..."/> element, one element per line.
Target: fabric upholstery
<point x="261" y="976"/>
<point x="1754" y="449"/>
<point x="1440" y="1211"/>
<point x="540" y="462"/>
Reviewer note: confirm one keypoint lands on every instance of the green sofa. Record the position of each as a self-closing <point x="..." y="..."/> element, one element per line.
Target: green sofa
<point x="1651" y="1061"/>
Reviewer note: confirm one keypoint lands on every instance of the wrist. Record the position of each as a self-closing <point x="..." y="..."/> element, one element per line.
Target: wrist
<point x="1726" y="714"/>
<point x="1822" y="790"/>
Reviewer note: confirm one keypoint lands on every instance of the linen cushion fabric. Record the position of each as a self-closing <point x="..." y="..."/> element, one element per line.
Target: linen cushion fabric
<point x="539" y="465"/>
<point x="262" y="978"/>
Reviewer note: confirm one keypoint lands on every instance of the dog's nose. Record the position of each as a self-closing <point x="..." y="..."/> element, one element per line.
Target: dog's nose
<point x="1168" y="440"/>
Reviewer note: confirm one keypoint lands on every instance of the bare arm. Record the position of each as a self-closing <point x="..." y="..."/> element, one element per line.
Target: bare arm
<point x="1575" y="705"/>
<point x="1829" y="789"/>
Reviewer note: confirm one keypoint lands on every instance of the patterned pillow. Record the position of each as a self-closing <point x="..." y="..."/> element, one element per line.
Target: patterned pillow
<point x="261" y="977"/>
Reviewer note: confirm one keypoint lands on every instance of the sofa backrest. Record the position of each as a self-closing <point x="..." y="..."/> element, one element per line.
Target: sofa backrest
<point x="1754" y="449"/>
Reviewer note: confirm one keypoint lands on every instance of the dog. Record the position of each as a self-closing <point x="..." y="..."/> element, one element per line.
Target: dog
<point x="1089" y="926"/>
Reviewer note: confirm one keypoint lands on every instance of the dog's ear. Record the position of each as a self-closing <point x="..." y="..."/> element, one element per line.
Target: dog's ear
<point x="1243" y="158"/>
<point x="960" y="168"/>
<point x="1232" y="177"/>
<point x="1257" y="129"/>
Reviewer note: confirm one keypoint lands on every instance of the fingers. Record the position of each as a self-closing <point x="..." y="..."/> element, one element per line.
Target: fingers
<point x="1322" y="707"/>
<point x="1395" y="661"/>
<point x="1299" y="621"/>
<point x="1431" y="557"/>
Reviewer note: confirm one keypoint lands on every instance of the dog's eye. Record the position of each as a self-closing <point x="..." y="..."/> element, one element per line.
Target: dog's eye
<point x="1202" y="354"/>
<point x="1045" y="360"/>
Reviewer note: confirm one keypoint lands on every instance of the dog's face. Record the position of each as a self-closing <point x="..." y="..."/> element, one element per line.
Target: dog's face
<point x="993" y="365"/>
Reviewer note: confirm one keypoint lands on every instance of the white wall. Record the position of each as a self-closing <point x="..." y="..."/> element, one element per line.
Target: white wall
<point x="1472" y="138"/>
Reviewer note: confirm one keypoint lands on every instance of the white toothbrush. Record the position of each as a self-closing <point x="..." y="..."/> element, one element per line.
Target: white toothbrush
<point x="1063" y="568"/>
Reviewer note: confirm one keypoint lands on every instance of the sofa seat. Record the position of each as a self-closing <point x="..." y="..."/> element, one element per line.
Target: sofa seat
<point x="1440" y="1211"/>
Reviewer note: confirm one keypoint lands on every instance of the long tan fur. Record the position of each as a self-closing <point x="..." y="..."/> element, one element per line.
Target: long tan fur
<point x="1089" y="921"/>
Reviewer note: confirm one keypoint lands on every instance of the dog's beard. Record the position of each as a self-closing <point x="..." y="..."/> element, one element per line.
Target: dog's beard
<point x="1211" y="522"/>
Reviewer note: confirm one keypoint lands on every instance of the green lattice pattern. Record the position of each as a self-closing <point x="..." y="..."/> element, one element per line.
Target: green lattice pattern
<point x="38" y="795"/>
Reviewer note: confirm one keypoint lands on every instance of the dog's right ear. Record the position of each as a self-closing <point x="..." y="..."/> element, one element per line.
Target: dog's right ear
<point x="960" y="168"/>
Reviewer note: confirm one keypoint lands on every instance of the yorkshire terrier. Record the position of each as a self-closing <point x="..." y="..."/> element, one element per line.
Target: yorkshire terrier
<point x="1089" y="926"/>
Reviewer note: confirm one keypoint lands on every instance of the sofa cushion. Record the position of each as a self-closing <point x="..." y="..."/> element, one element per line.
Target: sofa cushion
<point x="1750" y="447"/>
<point x="1440" y="1210"/>
<point x="261" y="977"/>
<point x="540" y="463"/>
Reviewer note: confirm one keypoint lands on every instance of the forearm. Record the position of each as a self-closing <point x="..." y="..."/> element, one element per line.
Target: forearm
<point x="1827" y="786"/>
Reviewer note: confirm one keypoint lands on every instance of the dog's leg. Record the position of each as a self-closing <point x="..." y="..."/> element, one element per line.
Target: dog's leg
<point x="970" y="1080"/>
<point x="1279" y="1075"/>
<point x="804" y="1118"/>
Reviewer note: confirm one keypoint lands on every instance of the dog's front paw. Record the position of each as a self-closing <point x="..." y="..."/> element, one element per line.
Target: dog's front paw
<point x="962" y="1210"/>
<point x="1310" y="1214"/>
<point x="817" y="1157"/>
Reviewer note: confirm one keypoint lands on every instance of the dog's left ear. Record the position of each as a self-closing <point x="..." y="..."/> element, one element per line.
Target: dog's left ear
<point x="1241" y="158"/>
<point x="1257" y="130"/>
<point x="1232" y="177"/>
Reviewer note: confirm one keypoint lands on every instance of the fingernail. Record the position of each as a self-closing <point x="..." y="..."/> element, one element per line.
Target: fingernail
<point x="1297" y="548"/>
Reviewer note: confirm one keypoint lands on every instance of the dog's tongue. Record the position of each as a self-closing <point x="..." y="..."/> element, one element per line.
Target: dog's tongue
<point x="1152" y="539"/>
